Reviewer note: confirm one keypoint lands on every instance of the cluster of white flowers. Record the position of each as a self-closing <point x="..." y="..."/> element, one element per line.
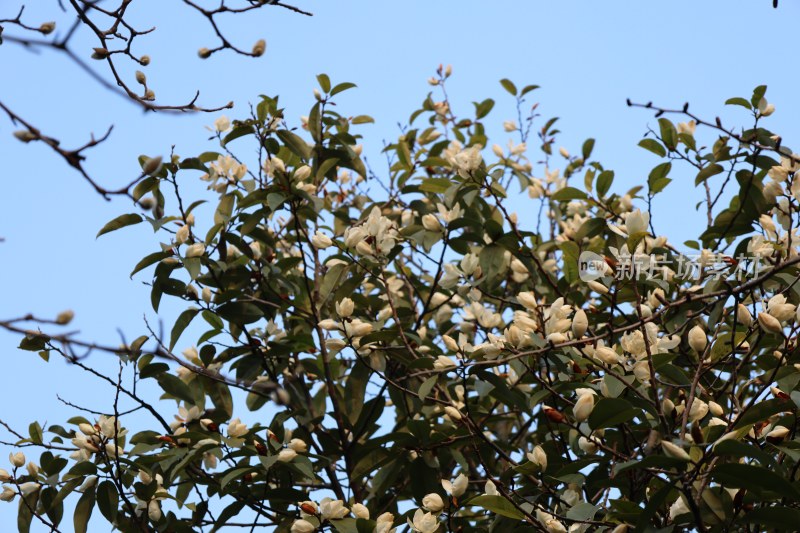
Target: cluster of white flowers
<point x="104" y="435"/>
<point x="314" y="515"/>
<point x="375" y="237"/>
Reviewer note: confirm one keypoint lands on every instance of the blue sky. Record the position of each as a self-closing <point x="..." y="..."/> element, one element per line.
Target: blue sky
<point x="587" y="56"/>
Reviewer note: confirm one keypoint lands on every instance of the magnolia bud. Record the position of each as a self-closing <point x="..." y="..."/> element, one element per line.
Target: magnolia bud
<point x="149" y="95"/>
<point x="673" y="450"/>
<point x="65" y="317"/>
<point x="100" y="53"/>
<point x="17" y="459"/>
<point x="433" y="502"/>
<point x="452" y="412"/>
<point x="25" y="136"/>
<point x="538" y="457"/>
<point x="697" y="339"/>
<point x="204" y="53"/>
<point x="344" y="307"/>
<point x="583" y="407"/>
<point x="47" y="28"/>
<point x="144" y="60"/>
<point x="580" y="323"/>
<point x="259" y="48"/>
<point x="769" y="323"/>
<point x="286" y="455"/>
<point x="360" y="511"/>
<point x="743" y="315"/>
<point x="206" y="294"/>
<point x="431" y="223"/>
<point x="140" y="77"/>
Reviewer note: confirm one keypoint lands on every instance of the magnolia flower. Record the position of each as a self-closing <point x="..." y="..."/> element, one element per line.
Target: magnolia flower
<point x="538" y="457"/>
<point x="423" y="522"/>
<point x="236" y="428"/>
<point x="431" y="223"/>
<point x="453" y="413"/>
<point x="697" y="339"/>
<point x="302" y="526"/>
<point x="687" y="127"/>
<point x="443" y="363"/>
<point x="673" y="450"/>
<point x="769" y="323"/>
<point x="698" y="410"/>
<point x="8" y="494"/>
<point x="636" y="222"/>
<point x="321" y="241"/>
<point x="195" y="250"/>
<point x="509" y="126"/>
<point x="456" y="488"/>
<point x="580" y="323"/>
<point x="777" y="307"/>
<point x="344" y="307"/>
<point x="17" y="459"/>
<point x="490" y="489"/>
<point x="332" y="509"/>
<point x="583" y="407"/>
<point x="607" y="355"/>
<point x="528" y="299"/>
<point x="743" y="315"/>
<point x="222" y="124"/>
<point x="468" y="160"/>
<point x="433" y="502"/>
<point x="587" y="445"/>
<point x="286" y="455"/>
<point x="765" y="109"/>
<point x="678" y="508"/>
<point x="360" y="511"/>
<point x="298" y="445"/>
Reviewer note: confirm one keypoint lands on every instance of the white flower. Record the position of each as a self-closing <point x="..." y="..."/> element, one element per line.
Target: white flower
<point x="8" y="494"/>
<point x="678" y="508"/>
<point x="195" y="250"/>
<point x="538" y="457"/>
<point x="298" y="445"/>
<point x="286" y="455"/>
<point x="697" y="339"/>
<point x="490" y="489"/>
<point x="29" y="488"/>
<point x="332" y="509"/>
<point x="360" y="511"/>
<point x="222" y="124"/>
<point x="321" y="241"/>
<point x="423" y="522"/>
<point x="765" y="109"/>
<point x="17" y="459"/>
<point x="769" y="323"/>
<point x="528" y="299"/>
<point x="344" y="307"/>
<point x="584" y="406"/>
<point x="302" y="526"/>
<point x="433" y="502"/>
<point x="458" y="487"/>
<point x="687" y="127"/>
<point x="636" y="222"/>
<point x="580" y="323"/>
<point x="452" y="412"/>
<point x="607" y="355"/>
<point x="468" y="160"/>
<point x="431" y="223"/>
<point x="154" y="510"/>
<point x="236" y="428"/>
<point x="777" y="307"/>
<point x="443" y="363"/>
<point x="509" y="126"/>
<point x="673" y="450"/>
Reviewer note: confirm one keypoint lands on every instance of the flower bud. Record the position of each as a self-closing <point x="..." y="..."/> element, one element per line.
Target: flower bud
<point x="538" y="457"/>
<point x="100" y="53"/>
<point x="344" y="307"/>
<point x="259" y="48"/>
<point x="697" y="339"/>
<point x="286" y="455"/>
<point x="204" y="53"/>
<point x="25" y="136"/>
<point x="152" y="166"/>
<point x="452" y="412"/>
<point x="47" y="28"/>
<point x="8" y="494"/>
<point x="673" y="450"/>
<point x="431" y="223"/>
<point x="17" y="459"/>
<point x="743" y="315"/>
<point x="769" y="323"/>
<point x="144" y="60"/>
<point x="580" y="323"/>
<point x="141" y="78"/>
<point x="360" y="511"/>
<point x="65" y="317"/>
<point x="433" y="502"/>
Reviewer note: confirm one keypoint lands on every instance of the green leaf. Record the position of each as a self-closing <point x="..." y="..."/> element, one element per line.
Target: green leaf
<point x="324" y="82"/>
<point x="658" y="179"/>
<point x="669" y="135"/>
<point x="497" y="504"/>
<point x="587" y="148"/>
<point x="738" y="101"/>
<point x="707" y="172"/>
<point x="609" y="412"/>
<point x="183" y="321"/>
<point x="654" y="146"/>
<point x="582" y="511"/>
<point x="342" y="87"/>
<point x="83" y="511"/>
<point x="362" y="119"/>
<point x="435" y="185"/>
<point x="149" y="260"/>
<point x="604" y="181"/>
<point x="569" y="193"/>
<point x="295" y="143"/>
<point x="763" y="482"/>
<point x="107" y="500"/>
<point x="758" y="94"/>
<point x="509" y="86"/>
<point x="762" y="411"/>
<point x="426" y="387"/>
<point x="240" y="312"/>
<point x="778" y="517"/>
<point x="120" y="222"/>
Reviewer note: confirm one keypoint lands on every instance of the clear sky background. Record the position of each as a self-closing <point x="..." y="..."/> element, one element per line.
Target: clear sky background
<point x="588" y="57"/>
